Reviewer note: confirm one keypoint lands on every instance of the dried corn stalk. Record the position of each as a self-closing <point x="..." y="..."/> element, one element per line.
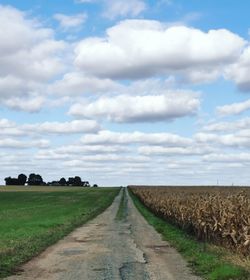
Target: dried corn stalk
<point x="219" y="215"/>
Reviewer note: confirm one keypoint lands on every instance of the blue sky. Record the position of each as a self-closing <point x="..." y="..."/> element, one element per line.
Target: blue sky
<point x="126" y="92"/>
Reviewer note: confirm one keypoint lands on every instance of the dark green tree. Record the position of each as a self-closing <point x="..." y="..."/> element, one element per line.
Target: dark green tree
<point x="35" y="180"/>
<point x="22" y="178"/>
<point x="62" y="182"/>
<point x="78" y="181"/>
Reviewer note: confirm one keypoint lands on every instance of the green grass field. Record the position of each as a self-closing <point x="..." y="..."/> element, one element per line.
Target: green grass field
<point x="32" y="218"/>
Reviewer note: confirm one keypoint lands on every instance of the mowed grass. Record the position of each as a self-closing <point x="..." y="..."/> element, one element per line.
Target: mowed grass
<point x="32" y="218"/>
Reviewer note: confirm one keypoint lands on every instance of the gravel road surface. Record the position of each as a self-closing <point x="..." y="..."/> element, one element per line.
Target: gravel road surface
<point x="106" y="248"/>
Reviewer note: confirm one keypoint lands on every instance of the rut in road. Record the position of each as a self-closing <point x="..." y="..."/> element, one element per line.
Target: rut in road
<point x="107" y="248"/>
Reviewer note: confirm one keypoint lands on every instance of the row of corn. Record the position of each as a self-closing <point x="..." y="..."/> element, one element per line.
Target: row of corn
<point x="219" y="215"/>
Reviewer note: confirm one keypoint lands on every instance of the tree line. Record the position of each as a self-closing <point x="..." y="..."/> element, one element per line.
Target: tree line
<point x="37" y="180"/>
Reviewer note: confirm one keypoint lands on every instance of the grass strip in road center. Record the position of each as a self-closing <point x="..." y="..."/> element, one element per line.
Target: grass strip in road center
<point x="207" y="263"/>
<point x="30" y="220"/>
<point x="122" y="210"/>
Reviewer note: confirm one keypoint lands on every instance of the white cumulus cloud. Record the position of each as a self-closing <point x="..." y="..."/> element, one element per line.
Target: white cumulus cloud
<point x="29" y="57"/>
<point x="76" y="83"/>
<point x="234" y="109"/>
<point x="70" y="21"/>
<point x="125" y="108"/>
<point x="174" y="151"/>
<point x="8" y="128"/>
<point x="31" y="105"/>
<point x="76" y="126"/>
<point x="121" y="8"/>
<point x="228" y="126"/>
<point x="142" y="48"/>
<point x="23" y="144"/>
<point x="123" y="138"/>
<point x="239" y="71"/>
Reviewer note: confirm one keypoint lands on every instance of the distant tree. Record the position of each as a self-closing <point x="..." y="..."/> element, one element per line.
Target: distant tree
<point x="75" y="181"/>
<point x="71" y="181"/>
<point x="35" y="180"/>
<point x="78" y="181"/>
<point x="8" y="181"/>
<point x="62" y="182"/>
<point x="95" y="186"/>
<point x="31" y="179"/>
<point x="22" y="178"/>
<point x="39" y="180"/>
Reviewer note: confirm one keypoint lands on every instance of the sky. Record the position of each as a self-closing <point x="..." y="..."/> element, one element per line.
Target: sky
<point x="126" y="92"/>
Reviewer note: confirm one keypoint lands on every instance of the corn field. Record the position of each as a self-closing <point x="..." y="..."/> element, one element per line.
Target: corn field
<point x="218" y="215"/>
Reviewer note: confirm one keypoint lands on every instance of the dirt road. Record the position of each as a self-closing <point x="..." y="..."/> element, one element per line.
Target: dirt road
<point x="106" y="248"/>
